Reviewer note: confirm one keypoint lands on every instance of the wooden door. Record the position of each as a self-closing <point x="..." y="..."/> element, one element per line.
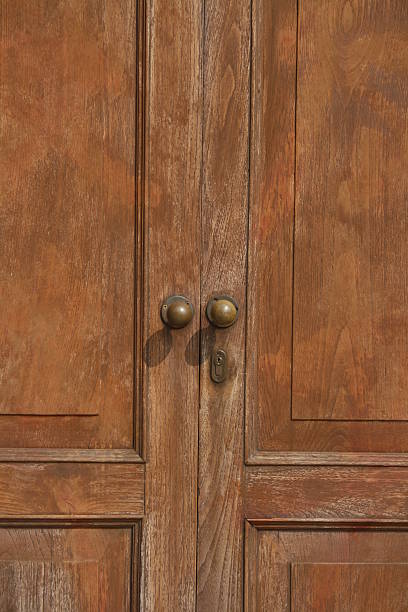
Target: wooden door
<point x="303" y="475"/>
<point x="100" y="136"/>
<point x="252" y="148"/>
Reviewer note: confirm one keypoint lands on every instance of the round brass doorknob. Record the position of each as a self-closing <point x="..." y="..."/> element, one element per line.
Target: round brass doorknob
<point x="222" y="311"/>
<point x="177" y="311"/>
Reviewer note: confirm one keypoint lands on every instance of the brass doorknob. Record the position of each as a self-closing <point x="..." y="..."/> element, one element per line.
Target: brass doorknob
<point x="222" y="311"/>
<point x="177" y="311"/>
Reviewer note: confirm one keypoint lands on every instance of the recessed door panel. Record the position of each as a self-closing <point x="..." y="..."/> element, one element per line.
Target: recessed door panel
<point x="330" y="570"/>
<point x="350" y="314"/>
<point x="327" y="301"/>
<point x="68" y="216"/>
<point x="65" y="570"/>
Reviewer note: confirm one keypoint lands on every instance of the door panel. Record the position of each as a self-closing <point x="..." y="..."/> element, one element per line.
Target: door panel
<point x="67" y="252"/>
<point x="65" y="570"/>
<point x="353" y="587"/>
<point x="350" y="349"/>
<point x="327" y="307"/>
<point x="309" y="570"/>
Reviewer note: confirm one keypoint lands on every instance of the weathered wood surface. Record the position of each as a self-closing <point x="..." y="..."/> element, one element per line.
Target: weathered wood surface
<point x="172" y="220"/>
<point x="223" y="271"/>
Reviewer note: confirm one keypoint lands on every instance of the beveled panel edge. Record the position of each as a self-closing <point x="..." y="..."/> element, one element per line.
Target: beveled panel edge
<point x="325" y="524"/>
<point x="67" y="455"/>
<point x="254" y="527"/>
<point x="259" y="458"/>
<point x="134" y="525"/>
<point x="255" y="452"/>
<point x="135" y="453"/>
<point x="56" y="522"/>
<point x="140" y="242"/>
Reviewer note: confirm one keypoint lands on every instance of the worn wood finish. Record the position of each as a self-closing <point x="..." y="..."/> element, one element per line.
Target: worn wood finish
<point x="350" y="276"/>
<point x="327" y="184"/>
<point x="327" y="492"/>
<point x="352" y="570"/>
<point x="94" y="118"/>
<point x="355" y="587"/>
<point x="72" y="149"/>
<point x="64" y="490"/>
<point x="172" y="178"/>
<point x="59" y="455"/>
<point x="337" y="114"/>
<point x="271" y="217"/>
<point x="295" y="458"/>
<point x="142" y="142"/>
<point x="65" y="570"/>
<point x="223" y="270"/>
<point x="67" y="186"/>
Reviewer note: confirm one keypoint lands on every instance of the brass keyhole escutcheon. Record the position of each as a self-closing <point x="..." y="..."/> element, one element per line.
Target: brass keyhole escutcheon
<point x="177" y="311"/>
<point x="222" y="311"/>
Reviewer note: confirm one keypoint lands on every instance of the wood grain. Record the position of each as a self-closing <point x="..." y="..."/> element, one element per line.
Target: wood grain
<point x="310" y="458"/>
<point x="271" y="217"/>
<point x="67" y="208"/>
<point x="332" y="570"/>
<point x="71" y="490"/>
<point x="351" y="282"/>
<point x="333" y="70"/>
<point x="172" y="222"/>
<point x="67" y="222"/>
<point x="65" y="570"/>
<point x="223" y="271"/>
<point x="63" y="455"/>
<point x="346" y="587"/>
<point x="327" y="493"/>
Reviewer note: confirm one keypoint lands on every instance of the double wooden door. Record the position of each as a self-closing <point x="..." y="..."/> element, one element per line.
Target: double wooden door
<point x="250" y="148"/>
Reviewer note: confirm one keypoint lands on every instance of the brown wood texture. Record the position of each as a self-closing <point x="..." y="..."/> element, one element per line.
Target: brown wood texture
<point x="67" y="217"/>
<point x="172" y="221"/>
<point x="351" y="137"/>
<point x="63" y="455"/>
<point x="268" y="369"/>
<point x="355" y="587"/>
<point x="67" y="184"/>
<point x="223" y="271"/>
<point x="71" y="490"/>
<point x="350" y="275"/>
<point x="65" y="570"/>
<point x="323" y="571"/>
<point x="327" y="493"/>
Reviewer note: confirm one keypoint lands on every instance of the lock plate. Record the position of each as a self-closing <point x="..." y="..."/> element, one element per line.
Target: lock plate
<point x="219" y="368"/>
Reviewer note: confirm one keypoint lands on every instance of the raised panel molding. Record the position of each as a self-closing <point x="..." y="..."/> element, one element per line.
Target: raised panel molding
<point x="288" y="420"/>
<point x="348" y="566"/>
<point x="84" y="431"/>
<point x="64" y="567"/>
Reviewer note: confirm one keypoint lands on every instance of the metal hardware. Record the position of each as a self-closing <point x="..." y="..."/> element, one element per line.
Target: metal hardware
<point x="219" y="369"/>
<point x="177" y="311"/>
<point x="222" y="311"/>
